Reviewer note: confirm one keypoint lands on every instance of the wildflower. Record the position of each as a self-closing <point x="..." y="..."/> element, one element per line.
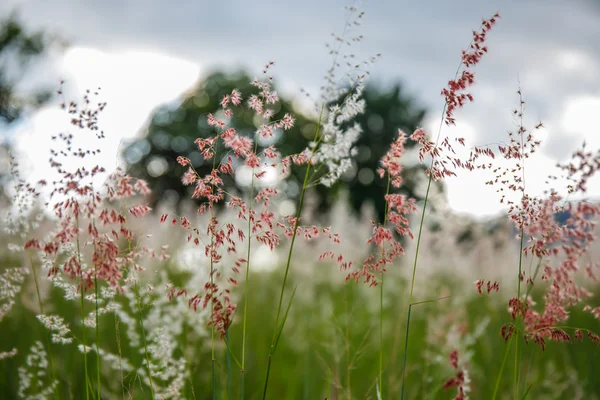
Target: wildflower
<point x="454" y="93"/>
<point x="189" y="177"/>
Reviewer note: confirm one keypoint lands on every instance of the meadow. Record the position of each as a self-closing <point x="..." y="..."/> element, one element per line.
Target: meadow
<point x="103" y="297"/>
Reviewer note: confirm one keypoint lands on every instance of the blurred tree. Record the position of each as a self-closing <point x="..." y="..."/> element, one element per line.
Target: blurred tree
<point x="172" y="129"/>
<point x="18" y="50"/>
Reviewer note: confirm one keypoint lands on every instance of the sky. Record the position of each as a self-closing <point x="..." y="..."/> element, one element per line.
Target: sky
<point x="144" y="53"/>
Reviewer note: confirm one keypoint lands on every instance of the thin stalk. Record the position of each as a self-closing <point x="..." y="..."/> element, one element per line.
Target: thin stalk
<point x="287" y="268"/>
<point x="141" y="321"/>
<point x="47" y="337"/>
<point x="212" y="304"/>
<point x="97" y="326"/>
<point x="517" y="354"/>
<point x="212" y="334"/>
<point x="528" y="369"/>
<point x="381" y="335"/>
<point x="247" y="285"/>
<point x="87" y="393"/>
<point x="306" y="386"/>
<point x="117" y="335"/>
<point x="405" y="350"/>
<point x="387" y="192"/>
<point x="414" y="272"/>
<point x="517" y="372"/>
<point x="499" y="378"/>
<point x="184" y="346"/>
<point x="535" y="274"/>
<point x="289" y="258"/>
<point x="412" y="285"/>
<point x="139" y="304"/>
<point x="348" y="359"/>
<point x="229" y="382"/>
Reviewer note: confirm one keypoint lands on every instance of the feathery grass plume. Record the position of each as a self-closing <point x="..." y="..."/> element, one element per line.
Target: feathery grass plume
<point x="559" y="248"/>
<point x="442" y="153"/>
<point x="34" y="382"/>
<point x="19" y="221"/>
<point x="86" y="245"/>
<point x="398" y="208"/>
<point x="11" y="281"/>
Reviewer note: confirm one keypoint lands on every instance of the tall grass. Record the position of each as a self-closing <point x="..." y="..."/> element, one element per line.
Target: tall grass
<point x="182" y="328"/>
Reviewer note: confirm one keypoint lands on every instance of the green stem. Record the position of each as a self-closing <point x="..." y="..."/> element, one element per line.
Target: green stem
<point x="47" y="337"/>
<point x="412" y="285"/>
<point x="520" y="317"/>
<point x="405" y="350"/>
<point x="97" y="324"/>
<point x="289" y="258"/>
<point x="82" y="289"/>
<point x="141" y="319"/>
<point x="229" y="382"/>
<point x="247" y="285"/>
<point x="139" y="304"/>
<point x="387" y="192"/>
<point x="499" y="378"/>
<point x="212" y="303"/>
<point x="118" y="339"/>
<point x="381" y="336"/>
<point x="528" y="368"/>
<point x="517" y="354"/>
<point x="414" y="271"/>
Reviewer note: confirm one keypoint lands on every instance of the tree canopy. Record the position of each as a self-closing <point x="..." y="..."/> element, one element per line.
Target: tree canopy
<point x="19" y="48"/>
<point x="172" y="129"/>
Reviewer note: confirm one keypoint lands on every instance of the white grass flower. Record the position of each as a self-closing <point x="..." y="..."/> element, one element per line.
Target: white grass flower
<point x="33" y="380"/>
<point x="8" y="354"/>
<point x="58" y="327"/>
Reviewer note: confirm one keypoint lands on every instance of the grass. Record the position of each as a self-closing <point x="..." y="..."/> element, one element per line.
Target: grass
<point x="331" y="346"/>
<point x="325" y="338"/>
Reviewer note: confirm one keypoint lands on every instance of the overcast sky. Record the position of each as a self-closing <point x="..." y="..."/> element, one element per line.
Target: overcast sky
<point x="144" y="53"/>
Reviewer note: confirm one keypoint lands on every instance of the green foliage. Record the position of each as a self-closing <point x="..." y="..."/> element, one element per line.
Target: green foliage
<point x="331" y="347"/>
<point x="18" y="50"/>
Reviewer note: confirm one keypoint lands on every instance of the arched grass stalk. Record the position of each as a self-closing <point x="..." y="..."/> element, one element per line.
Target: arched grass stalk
<point x="499" y="378"/>
<point x="454" y="98"/>
<point x="279" y="329"/>
<point x="414" y="271"/>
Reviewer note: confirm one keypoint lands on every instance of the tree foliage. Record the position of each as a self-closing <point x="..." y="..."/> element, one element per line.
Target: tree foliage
<point x="172" y="129"/>
<point x="19" y="49"/>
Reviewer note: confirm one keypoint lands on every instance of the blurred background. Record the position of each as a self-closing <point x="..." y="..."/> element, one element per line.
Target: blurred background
<point x="160" y="66"/>
<point x="163" y="66"/>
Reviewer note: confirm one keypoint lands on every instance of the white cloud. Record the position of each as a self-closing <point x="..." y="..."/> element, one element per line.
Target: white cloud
<point x="580" y="117"/>
<point x="132" y="83"/>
